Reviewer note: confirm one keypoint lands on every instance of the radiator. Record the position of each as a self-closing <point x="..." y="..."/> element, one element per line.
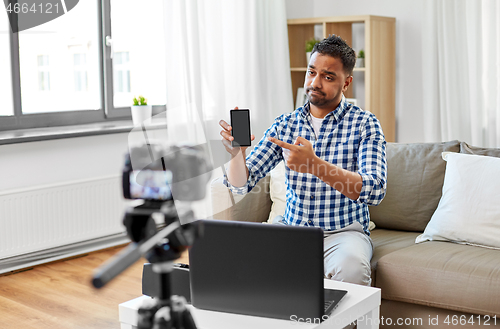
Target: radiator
<point x="46" y="217"/>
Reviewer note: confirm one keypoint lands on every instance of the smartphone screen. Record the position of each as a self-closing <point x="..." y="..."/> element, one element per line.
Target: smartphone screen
<point x="240" y="121"/>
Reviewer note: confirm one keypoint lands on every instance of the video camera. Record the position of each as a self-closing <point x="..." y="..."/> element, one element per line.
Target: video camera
<point x="153" y="172"/>
<point x="160" y="175"/>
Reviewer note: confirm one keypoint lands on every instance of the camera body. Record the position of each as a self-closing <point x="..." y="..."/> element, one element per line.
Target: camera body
<point x="155" y="172"/>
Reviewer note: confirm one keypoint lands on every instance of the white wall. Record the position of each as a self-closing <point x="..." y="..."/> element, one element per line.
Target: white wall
<point x="31" y="165"/>
<point x="409" y="70"/>
<point x="56" y="161"/>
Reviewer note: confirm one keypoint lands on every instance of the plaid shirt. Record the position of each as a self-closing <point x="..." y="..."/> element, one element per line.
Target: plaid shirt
<point x="349" y="138"/>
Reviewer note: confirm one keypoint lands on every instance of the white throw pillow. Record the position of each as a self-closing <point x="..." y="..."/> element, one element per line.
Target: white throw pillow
<point x="278" y="191"/>
<point x="469" y="209"/>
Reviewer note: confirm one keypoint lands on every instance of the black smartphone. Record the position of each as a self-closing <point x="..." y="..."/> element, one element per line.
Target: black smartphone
<point x="240" y="121"/>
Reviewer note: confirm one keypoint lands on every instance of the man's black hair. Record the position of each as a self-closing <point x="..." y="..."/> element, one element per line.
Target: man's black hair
<point x="336" y="47"/>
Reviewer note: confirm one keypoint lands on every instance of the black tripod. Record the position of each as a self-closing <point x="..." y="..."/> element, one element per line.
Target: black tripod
<point x="160" y="249"/>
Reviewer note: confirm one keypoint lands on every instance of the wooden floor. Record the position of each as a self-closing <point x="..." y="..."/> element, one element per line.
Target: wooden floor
<point x="60" y="295"/>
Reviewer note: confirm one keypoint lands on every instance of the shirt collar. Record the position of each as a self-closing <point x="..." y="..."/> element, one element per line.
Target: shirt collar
<point x="337" y="114"/>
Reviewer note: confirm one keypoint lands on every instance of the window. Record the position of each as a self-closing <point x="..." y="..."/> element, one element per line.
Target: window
<point x="43" y="73"/>
<point x="55" y="44"/>
<point x="121" y="70"/>
<point x="139" y="51"/>
<point x="80" y="72"/>
<point x="7" y="108"/>
<point x="84" y="66"/>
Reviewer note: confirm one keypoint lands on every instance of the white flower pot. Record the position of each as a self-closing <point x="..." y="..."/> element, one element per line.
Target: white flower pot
<point x="141" y="114"/>
<point x="360" y="62"/>
<point x="308" y="57"/>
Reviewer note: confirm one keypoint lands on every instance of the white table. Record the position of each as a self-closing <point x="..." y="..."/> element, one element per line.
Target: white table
<point x="360" y="303"/>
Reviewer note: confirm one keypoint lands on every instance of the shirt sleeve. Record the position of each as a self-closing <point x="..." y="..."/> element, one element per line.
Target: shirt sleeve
<point x="372" y="163"/>
<point x="263" y="158"/>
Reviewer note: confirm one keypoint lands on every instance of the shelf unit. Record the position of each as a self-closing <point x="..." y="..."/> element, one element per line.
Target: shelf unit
<point x="380" y="60"/>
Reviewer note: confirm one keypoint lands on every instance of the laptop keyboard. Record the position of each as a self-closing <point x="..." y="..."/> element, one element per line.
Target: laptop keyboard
<point x="327" y="305"/>
<point x="332" y="297"/>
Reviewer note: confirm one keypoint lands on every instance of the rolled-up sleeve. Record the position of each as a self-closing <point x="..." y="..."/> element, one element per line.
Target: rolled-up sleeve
<point x="372" y="163"/>
<point x="263" y="158"/>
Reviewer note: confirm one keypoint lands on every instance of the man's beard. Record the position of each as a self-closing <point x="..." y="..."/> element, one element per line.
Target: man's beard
<point x="317" y="100"/>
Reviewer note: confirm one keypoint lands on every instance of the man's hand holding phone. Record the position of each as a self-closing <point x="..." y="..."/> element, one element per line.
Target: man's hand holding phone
<point x="239" y="130"/>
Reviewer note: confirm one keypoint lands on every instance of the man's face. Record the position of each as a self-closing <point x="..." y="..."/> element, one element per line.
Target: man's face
<point x="325" y="81"/>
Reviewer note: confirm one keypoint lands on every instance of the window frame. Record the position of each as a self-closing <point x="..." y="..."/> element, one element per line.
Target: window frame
<point x="106" y="112"/>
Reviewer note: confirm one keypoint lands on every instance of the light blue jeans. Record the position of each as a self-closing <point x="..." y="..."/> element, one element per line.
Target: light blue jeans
<point x="347" y="254"/>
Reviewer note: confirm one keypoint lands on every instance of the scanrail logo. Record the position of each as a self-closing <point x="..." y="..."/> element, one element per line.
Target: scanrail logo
<point x="25" y="14"/>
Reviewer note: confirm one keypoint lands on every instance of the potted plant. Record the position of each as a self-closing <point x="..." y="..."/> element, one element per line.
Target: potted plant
<point x="360" y="62"/>
<point x="309" y="47"/>
<point x="141" y="111"/>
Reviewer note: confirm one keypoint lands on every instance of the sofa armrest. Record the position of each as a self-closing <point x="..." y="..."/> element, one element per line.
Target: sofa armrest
<point x="251" y="207"/>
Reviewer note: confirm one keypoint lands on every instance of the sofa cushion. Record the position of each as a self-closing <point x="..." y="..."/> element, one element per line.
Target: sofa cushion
<point x="443" y="274"/>
<point x="468" y="149"/>
<point x="425" y="317"/>
<point x="469" y="211"/>
<point x="387" y="241"/>
<point x="415" y="175"/>
<point x="257" y="200"/>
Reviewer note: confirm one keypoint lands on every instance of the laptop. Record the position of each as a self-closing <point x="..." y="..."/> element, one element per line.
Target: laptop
<point x="262" y="270"/>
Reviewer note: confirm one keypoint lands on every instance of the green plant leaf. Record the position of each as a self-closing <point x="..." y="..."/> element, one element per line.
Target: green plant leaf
<point x="310" y="44"/>
<point x="140" y="100"/>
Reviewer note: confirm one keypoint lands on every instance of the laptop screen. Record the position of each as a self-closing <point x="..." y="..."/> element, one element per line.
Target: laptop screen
<point x="258" y="269"/>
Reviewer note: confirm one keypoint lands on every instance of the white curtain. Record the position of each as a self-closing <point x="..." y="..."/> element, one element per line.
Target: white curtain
<point x="461" y="59"/>
<point x="222" y="54"/>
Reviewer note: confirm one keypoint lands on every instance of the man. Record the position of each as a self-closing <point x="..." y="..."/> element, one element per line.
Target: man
<point x="335" y="163"/>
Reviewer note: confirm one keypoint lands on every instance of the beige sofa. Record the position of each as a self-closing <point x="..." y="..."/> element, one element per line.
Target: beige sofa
<point x="426" y="285"/>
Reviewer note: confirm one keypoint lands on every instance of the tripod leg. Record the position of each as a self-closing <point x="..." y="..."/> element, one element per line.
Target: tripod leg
<point x="146" y="314"/>
<point x="188" y="320"/>
<point x="163" y="319"/>
<point x="181" y="316"/>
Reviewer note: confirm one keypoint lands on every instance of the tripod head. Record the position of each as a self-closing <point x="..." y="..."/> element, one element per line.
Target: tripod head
<point x="141" y="225"/>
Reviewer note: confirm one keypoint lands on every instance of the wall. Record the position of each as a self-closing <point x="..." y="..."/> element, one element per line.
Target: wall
<point x="409" y="70"/>
<point x="45" y="164"/>
<point x="32" y="164"/>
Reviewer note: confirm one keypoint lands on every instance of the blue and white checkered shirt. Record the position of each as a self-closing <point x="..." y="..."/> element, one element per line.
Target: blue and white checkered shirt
<point x="349" y="138"/>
